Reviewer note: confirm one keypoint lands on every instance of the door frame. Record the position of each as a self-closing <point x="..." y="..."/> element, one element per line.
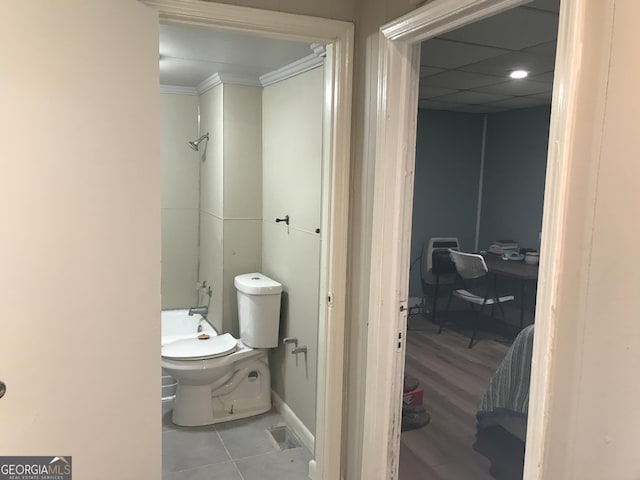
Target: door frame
<point x="338" y="38"/>
<point x="394" y="121"/>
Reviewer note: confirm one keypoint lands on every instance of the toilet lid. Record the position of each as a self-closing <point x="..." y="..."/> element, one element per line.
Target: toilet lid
<point x="196" y="349"/>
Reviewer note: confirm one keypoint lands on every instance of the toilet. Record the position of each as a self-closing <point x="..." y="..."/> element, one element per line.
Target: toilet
<point x="221" y="378"/>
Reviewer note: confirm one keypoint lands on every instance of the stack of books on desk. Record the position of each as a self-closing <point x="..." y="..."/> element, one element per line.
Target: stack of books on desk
<point x="500" y="247"/>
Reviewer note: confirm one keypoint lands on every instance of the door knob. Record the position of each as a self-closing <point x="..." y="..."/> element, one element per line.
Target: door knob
<point x="3" y="389"/>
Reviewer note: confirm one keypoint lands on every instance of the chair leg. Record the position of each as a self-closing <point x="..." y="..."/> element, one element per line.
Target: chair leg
<point x="476" y="320"/>
<point x="446" y="313"/>
<point x="435" y="302"/>
<point x="504" y="317"/>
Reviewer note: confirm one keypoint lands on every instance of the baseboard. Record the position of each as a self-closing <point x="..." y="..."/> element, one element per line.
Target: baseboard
<point x="294" y="422"/>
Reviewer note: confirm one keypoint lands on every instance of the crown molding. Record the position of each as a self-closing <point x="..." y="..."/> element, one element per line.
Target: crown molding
<point x="319" y="49"/>
<point x="240" y="79"/>
<point x="177" y="90"/>
<point x="295" y="68"/>
<point x="229" y="78"/>
<point x="208" y="83"/>
<point x="305" y="64"/>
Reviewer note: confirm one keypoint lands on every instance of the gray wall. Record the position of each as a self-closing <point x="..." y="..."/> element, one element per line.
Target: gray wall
<point x="514" y="173"/>
<point x="447" y="174"/>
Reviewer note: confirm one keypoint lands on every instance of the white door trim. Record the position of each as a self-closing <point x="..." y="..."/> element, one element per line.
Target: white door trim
<point x="338" y="36"/>
<point x="395" y="120"/>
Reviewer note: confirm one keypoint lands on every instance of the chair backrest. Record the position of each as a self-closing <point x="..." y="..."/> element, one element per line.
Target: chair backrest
<point x="469" y="265"/>
<point x="434" y="248"/>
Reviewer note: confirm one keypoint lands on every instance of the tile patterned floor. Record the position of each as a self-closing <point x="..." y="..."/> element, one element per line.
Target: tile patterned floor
<point x="238" y="450"/>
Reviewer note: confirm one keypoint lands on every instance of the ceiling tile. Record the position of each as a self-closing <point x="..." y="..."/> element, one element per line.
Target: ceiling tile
<point x="547" y="5"/>
<point x="542" y="96"/>
<point x="516" y="87"/>
<point x="501" y="66"/>
<point x="514" y="29"/>
<point x="476" y="63"/>
<point x="430" y="92"/>
<point x="436" y="105"/>
<point x="459" y="80"/>
<point x="470" y="98"/>
<point x="484" y="108"/>
<point x="547" y="48"/>
<point x="543" y="77"/>
<point x="426" y="71"/>
<point x="444" y="54"/>
<point x="518" y="102"/>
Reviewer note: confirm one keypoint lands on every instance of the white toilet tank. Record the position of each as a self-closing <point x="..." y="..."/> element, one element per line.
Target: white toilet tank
<point x="258" y="309"/>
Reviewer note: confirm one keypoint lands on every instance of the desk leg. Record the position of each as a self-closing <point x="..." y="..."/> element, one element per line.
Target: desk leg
<point x="521" y="303"/>
<point x="435" y="299"/>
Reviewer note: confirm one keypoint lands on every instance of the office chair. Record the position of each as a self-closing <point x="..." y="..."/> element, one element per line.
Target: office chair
<point x="436" y="269"/>
<point x="470" y="267"/>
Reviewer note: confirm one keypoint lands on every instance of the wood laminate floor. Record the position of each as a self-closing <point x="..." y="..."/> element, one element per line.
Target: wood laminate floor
<point x="454" y="378"/>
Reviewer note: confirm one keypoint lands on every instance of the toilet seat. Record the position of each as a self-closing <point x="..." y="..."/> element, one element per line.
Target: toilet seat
<point x="197" y="349"/>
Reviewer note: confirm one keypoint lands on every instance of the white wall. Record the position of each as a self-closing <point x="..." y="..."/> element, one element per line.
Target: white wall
<point x="242" y="197"/>
<point x="80" y="249"/>
<point x="370" y="16"/>
<point x="593" y="417"/>
<point x="593" y="403"/>
<point x="231" y="195"/>
<point x="179" y="172"/>
<point x="83" y="203"/>
<point x="211" y="191"/>
<point x="264" y="161"/>
<point x="292" y="161"/>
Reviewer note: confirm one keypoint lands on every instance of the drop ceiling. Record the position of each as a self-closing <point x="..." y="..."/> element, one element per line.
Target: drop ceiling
<point x="467" y="70"/>
<point x="190" y="55"/>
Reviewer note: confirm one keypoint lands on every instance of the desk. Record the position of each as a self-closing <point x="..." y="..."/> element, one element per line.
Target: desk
<point x="514" y="269"/>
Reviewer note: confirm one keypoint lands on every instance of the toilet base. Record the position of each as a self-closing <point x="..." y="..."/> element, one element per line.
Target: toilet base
<point x="245" y="394"/>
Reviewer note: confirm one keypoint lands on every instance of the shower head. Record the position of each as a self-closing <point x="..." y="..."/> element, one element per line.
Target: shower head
<point x="196" y="143"/>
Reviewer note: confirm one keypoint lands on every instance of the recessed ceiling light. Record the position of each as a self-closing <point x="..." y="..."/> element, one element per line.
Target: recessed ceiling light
<point x="518" y="74"/>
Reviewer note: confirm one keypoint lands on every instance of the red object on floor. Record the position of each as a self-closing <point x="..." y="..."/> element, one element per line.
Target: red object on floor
<point x="413" y="398"/>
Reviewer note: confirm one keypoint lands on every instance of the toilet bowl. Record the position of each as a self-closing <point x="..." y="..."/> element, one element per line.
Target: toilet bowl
<point x="221" y="378"/>
<point x="217" y="381"/>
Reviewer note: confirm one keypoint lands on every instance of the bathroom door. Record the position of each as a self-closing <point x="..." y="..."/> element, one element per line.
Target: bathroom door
<point x="80" y="237"/>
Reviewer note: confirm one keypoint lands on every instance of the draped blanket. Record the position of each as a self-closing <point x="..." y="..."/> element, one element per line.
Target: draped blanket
<point x="508" y="390"/>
